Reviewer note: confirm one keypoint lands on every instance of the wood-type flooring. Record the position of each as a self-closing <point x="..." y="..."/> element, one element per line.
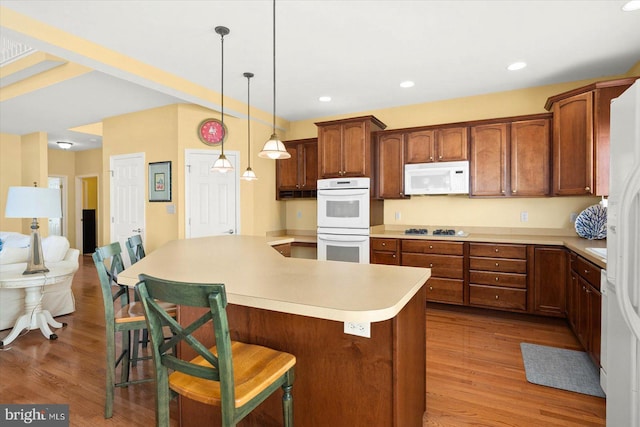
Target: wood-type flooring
<point x="475" y="373"/>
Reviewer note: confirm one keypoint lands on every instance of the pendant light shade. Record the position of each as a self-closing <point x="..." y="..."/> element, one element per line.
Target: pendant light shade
<point x="222" y="164"/>
<point x="249" y="174"/>
<point x="274" y="148"/>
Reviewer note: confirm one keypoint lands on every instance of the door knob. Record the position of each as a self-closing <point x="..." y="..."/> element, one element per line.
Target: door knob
<point x="230" y="231"/>
<point x="137" y="230"/>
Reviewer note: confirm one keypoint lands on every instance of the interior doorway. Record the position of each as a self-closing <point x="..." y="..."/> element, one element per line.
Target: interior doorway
<point x="87" y="213"/>
<point x="58" y="226"/>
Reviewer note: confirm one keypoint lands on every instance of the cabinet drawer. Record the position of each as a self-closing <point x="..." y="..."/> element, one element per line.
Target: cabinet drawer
<point x="588" y="271"/>
<point x="444" y="290"/>
<point x="498" y="264"/>
<point x="448" y="266"/>
<point x="384" y="257"/>
<point x="491" y="278"/>
<point x="384" y="244"/>
<point x="496" y="297"/>
<point x="498" y="250"/>
<point x="432" y="247"/>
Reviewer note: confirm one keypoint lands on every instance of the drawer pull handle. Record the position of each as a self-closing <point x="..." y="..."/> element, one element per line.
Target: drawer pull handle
<point x="394" y="255"/>
<point x="497" y="264"/>
<point x="430" y="265"/>
<point x="384" y="244"/>
<point x="497" y="278"/>
<point x="497" y="250"/>
<point x="586" y="272"/>
<point x="496" y="296"/>
<point x="430" y="246"/>
<point x="430" y="288"/>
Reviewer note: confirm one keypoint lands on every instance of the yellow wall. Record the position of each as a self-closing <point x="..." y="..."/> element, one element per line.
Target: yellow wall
<point x="10" y="176"/>
<point x="90" y="193"/>
<point x="459" y="211"/>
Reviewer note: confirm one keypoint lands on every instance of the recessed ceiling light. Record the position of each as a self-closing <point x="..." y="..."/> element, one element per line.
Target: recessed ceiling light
<point x="407" y="83"/>
<point x="324" y="99"/>
<point x="516" y="66"/>
<point x="632" y="5"/>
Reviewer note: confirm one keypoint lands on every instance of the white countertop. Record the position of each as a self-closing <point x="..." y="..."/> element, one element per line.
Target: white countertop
<point x="255" y="275"/>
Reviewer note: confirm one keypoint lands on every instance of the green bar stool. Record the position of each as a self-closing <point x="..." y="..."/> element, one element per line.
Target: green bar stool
<point x="235" y="376"/>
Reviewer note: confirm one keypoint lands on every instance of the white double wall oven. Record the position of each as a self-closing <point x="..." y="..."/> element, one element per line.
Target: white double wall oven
<point x="343" y="219"/>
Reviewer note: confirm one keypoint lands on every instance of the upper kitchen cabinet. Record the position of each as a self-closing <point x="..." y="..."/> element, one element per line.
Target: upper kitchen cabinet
<point x="296" y="177"/>
<point x="345" y="147"/>
<point x="511" y="157"/>
<point x="437" y="145"/>
<point x="390" y="165"/>
<point x="581" y="119"/>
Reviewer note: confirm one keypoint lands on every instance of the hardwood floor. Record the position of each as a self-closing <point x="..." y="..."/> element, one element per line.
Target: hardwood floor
<point x="475" y="374"/>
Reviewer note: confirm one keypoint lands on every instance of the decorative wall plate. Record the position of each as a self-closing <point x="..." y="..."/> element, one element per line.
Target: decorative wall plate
<point x="592" y="223"/>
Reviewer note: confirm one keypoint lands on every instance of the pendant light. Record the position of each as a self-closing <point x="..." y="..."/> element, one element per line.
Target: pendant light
<point x="249" y="174"/>
<point x="274" y="148"/>
<point x="222" y="165"/>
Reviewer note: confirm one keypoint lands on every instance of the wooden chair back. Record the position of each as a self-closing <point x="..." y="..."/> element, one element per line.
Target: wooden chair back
<point x="135" y="248"/>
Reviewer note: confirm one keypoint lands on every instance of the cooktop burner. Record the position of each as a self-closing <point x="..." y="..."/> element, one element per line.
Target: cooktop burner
<point x="436" y="232"/>
<point x="416" y="231"/>
<point x="444" y="232"/>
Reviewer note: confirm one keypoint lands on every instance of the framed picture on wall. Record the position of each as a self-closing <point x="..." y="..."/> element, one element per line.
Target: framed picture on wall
<point x="160" y="182"/>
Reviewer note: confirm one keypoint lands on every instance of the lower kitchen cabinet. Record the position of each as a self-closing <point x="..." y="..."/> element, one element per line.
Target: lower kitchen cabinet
<point x="548" y="293"/>
<point x="385" y="251"/>
<point x="446" y="261"/>
<point x="584" y="306"/>
<point x="498" y="276"/>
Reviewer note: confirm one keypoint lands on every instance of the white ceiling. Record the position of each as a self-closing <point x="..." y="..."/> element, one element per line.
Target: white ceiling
<point x="355" y="51"/>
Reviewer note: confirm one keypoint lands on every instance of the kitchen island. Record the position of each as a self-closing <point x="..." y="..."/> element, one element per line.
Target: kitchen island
<point x="301" y="306"/>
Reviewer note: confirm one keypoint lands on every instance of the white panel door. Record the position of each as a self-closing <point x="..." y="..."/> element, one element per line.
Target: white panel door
<point x="127" y="198"/>
<point x="211" y="197"/>
<point x="57" y="226"/>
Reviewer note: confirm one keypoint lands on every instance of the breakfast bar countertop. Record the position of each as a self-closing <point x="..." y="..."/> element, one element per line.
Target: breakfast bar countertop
<point x="257" y="276"/>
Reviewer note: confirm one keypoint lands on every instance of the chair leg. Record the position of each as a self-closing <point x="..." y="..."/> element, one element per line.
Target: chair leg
<point x="126" y="356"/>
<point x="110" y="375"/>
<point x="287" y="401"/>
<point x="136" y="345"/>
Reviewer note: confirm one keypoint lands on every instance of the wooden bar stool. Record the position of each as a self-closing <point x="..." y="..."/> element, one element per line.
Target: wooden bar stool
<point x="235" y="376"/>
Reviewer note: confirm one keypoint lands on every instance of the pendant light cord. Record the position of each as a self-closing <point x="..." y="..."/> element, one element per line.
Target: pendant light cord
<point x="248" y="117"/>
<point x="222" y="92"/>
<point x="274" y="66"/>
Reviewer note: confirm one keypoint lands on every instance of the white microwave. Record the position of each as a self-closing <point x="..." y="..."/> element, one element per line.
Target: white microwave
<point x="437" y="178"/>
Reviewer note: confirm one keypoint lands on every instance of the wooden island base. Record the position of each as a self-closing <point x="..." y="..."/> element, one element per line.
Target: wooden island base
<point x="341" y="380"/>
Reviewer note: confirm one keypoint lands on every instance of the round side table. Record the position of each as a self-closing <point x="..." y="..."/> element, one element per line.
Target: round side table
<point x="34" y="317"/>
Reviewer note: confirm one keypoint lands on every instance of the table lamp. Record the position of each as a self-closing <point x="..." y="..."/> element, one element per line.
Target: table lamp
<point x="34" y="202"/>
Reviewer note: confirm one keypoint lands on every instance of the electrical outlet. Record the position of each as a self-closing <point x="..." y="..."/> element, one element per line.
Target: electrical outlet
<point x="359" y="329"/>
<point x="572" y="217"/>
<point x="398" y="215"/>
<point x="524" y="216"/>
<point x="299" y="214"/>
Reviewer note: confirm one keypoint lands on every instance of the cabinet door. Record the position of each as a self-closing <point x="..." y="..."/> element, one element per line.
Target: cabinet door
<point x="390" y="166"/>
<point x="420" y="147"/>
<point x="583" y="321"/>
<point x="595" y="327"/>
<point x="287" y="170"/>
<point x="530" y="158"/>
<point x="354" y="149"/>
<point x="309" y="166"/>
<point x="573" y="146"/>
<point x="549" y="281"/>
<point x="489" y="160"/>
<point x="330" y="151"/>
<point x="451" y="144"/>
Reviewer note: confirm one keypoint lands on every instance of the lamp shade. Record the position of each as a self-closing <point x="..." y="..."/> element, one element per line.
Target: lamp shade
<point x="33" y="202"/>
<point x="274" y="149"/>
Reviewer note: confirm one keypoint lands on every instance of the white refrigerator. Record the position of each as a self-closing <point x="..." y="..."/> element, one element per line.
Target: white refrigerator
<point x="621" y="370"/>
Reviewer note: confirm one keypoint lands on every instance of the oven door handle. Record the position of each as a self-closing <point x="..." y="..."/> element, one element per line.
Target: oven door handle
<point x="342" y="193"/>
<point x="343" y="238"/>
